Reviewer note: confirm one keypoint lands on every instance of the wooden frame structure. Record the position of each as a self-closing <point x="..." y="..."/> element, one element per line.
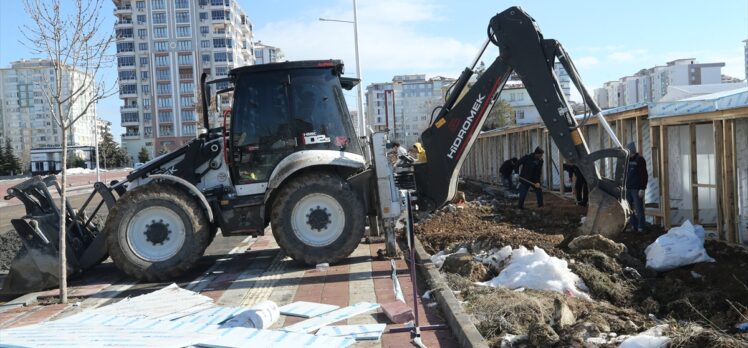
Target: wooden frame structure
<point x="494" y="147"/>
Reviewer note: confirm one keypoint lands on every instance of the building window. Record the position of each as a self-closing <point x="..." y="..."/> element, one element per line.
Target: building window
<point x="162" y="60"/>
<point x="141" y="19"/>
<point x="183" y="31"/>
<point x="142" y="33"/>
<point x="164" y="102"/>
<point x="206" y="58"/>
<point x="218" y="14"/>
<point x="188" y="115"/>
<point x="204" y="30"/>
<point x="140" y="5"/>
<point x="222" y="71"/>
<point x="187" y="87"/>
<point x="184" y="45"/>
<point x="144" y="75"/>
<point x="185" y="59"/>
<point x="124" y="33"/>
<point x="146" y="116"/>
<point x="203" y="16"/>
<point x="143" y="61"/>
<point x="159" y="18"/>
<point x="189" y="129"/>
<point x="162" y="74"/>
<point x="183" y="17"/>
<point x="143" y="46"/>
<point x="186" y="101"/>
<point x="219" y="57"/>
<point x="127" y="75"/>
<point x="157" y="4"/>
<point x="219" y="43"/>
<point x="181" y="3"/>
<point x="163" y="88"/>
<point x="128" y="89"/>
<point x="159" y="32"/>
<point x="161" y="46"/>
<point x="165" y="116"/>
<point x="519" y="114"/>
<point x="147" y="101"/>
<point x="125" y="61"/>
<point x="205" y="44"/>
<point x="125" y="47"/>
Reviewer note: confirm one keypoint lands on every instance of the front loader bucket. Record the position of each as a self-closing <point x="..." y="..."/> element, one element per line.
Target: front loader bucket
<point x="36" y="266"/>
<point x="606" y="215"/>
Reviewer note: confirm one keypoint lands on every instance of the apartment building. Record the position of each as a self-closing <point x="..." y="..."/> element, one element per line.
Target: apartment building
<point x="25" y="115"/>
<point x="267" y="54"/>
<point x="746" y="59"/>
<point x="163" y="46"/>
<point x="650" y="85"/>
<point x="404" y="105"/>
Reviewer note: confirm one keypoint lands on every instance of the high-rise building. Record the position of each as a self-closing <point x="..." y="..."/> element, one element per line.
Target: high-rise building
<point x="405" y="105"/>
<point x="163" y="46"/>
<point x="267" y="54"/>
<point x="650" y="85"/>
<point x="25" y="115"/>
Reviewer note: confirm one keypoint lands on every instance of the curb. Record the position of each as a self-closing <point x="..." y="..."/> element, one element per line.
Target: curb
<point x="459" y="322"/>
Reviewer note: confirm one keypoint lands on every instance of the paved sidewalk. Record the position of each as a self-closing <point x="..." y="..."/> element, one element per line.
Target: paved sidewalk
<point x="262" y="272"/>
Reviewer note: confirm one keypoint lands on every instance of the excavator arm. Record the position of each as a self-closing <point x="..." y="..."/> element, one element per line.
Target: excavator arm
<point x="454" y="130"/>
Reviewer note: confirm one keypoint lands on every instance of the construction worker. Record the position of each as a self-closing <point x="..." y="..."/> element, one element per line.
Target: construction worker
<point x="531" y="167"/>
<point x="506" y="170"/>
<point x="636" y="184"/>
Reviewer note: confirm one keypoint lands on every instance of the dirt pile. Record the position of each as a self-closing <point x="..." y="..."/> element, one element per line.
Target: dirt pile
<point x="704" y="301"/>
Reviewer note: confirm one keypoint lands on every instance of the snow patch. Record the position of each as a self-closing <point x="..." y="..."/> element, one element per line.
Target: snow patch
<point x="535" y="269"/>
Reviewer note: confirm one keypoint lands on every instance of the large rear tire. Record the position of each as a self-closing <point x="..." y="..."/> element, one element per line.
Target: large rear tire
<point x="156" y="232"/>
<point x="317" y="218"/>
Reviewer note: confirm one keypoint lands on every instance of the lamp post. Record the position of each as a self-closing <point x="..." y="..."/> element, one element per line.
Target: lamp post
<point x="361" y="120"/>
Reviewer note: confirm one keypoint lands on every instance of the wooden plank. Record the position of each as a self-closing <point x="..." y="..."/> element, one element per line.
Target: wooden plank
<point x="730" y="206"/>
<point x="701" y="117"/>
<point x="639" y="136"/>
<point x="654" y="139"/>
<point x="720" y="171"/>
<point x="664" y="180"/>
<point x="692" y="158"/>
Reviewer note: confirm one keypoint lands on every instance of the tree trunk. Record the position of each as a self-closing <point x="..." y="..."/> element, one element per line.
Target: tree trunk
<point x="63" y="212"/>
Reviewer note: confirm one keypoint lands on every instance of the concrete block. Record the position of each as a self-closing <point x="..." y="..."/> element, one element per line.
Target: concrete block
<point x="398" y="312"/>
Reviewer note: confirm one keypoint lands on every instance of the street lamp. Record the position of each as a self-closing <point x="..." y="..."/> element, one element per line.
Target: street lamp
<point x="361" y="120"/>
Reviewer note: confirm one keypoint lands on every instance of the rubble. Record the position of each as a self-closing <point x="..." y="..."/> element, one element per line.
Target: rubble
<point x="466" y="266"/>
<point x="626" y="297"/>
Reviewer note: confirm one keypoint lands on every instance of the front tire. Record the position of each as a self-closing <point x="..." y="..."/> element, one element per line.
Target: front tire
<point x="156" y="232"/>
<point x="317" y="218"/>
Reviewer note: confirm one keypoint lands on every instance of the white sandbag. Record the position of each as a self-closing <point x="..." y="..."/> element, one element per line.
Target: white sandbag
<point x="680" y="246"/>
<point x="535" y="269"/>
<point x="438" y="258"/>
<point x="260" y="316"/>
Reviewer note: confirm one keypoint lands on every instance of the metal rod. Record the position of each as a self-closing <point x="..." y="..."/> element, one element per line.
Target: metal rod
<point x="361" y="119"/>
<point x="411" y="249"/>
<point x="606" y="126"/>
<point x="480" y="54"/>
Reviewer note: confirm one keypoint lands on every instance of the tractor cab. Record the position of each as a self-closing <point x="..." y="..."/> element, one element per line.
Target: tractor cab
<point x="282" y="108"/>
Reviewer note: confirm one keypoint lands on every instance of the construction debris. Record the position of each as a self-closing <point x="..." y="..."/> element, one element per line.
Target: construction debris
<point x="398" y="312"/>
<point x="306" y="309"/>
<point x="369" y="332"/>
<point x="315" y="323"/>
<point x="626" y="296"/>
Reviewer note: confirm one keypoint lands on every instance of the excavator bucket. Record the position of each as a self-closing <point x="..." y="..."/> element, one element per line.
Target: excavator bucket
<point x="606" y="215"/>
<point x="36" y="266"/>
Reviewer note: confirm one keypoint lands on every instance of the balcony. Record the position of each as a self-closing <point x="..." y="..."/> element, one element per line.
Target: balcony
<point x="123" y="10"/>
<point x="126" y="108"/>
<point x="123" y="23"/>
<point x="134" y="135"/>
<point x="129" y="121"/>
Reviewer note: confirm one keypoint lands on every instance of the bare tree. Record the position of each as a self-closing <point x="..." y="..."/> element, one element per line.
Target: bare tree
<point x="76" y="41"/>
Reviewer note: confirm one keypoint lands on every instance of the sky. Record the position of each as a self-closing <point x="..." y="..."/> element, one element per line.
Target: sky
<point x="606" y="39"/>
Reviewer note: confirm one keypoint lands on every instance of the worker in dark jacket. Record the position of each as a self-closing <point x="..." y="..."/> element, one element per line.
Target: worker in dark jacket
<point x="636" y="184"/>
<point x="579" y="184"/>
<point x="506" y="170"/>
<point x="529" y="175"/>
